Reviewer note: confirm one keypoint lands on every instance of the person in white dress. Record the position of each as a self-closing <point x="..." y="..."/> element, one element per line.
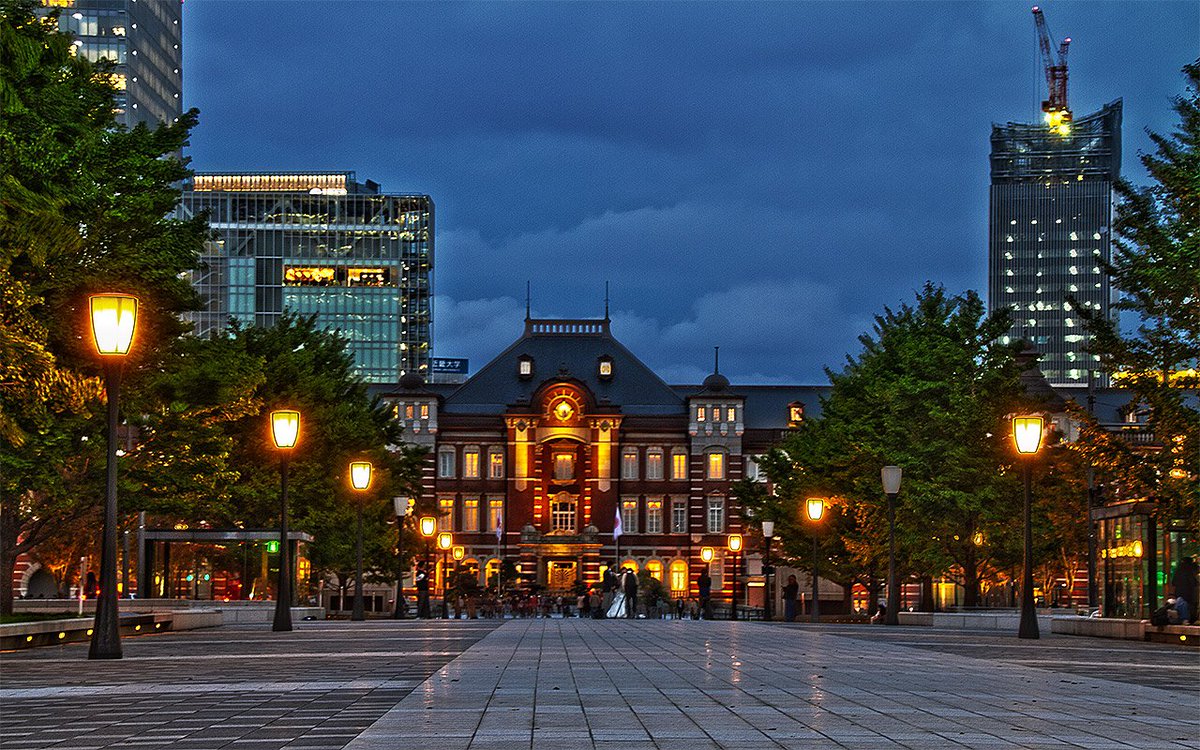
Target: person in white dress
<point x="617" y="609"/>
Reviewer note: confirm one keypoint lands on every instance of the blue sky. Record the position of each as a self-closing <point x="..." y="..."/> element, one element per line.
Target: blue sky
<point x="760" y="176"/>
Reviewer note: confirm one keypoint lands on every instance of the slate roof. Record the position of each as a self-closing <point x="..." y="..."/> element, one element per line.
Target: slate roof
<point x="566" y="349"/>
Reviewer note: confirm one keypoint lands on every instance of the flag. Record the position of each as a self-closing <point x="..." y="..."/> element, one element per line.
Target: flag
<point x="499" y="525"/>
<point x="617" y="524"/>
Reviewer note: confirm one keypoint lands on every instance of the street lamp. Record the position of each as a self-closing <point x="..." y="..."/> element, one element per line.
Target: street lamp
<point x="735" y="546"/>
<point x="815" y="508"/>
<point x="768" y="530"/>
<point x="445" y="541"/>
<point x="400" y="505"/>
<point x="1027" y="435"/>
<point x="707" y="554"/>
<point x="114" y="318"/>
<point x="285" y="431"/>
<point x="428" y="525"/>
<point x="360" y="480"/>
<point x="891" y="487"/>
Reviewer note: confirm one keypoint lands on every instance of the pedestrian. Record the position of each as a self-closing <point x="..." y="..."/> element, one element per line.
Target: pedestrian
<point x="630" y="586"/>
<point x="704" y="584"/>
<point x="790" y="592"/>
<point x="608" y="586"/>
<point x="1186" y="586"/>
<point x="423" y="610"/>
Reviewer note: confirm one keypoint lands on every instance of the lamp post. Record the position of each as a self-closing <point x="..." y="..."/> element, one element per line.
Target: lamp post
<point x="735" y="546"/>
<point x="360" y="480"/>
<point x="445" y="541"/>
<point x="114" y="318"/>
<point x="768" y="530"/>
<point x="1027" y="435"/>
<point x="458" y="553"/>
<point x="400" y="505"/>
<point x="815" y="508"/>
<point x="285" y="431"/>
<point x="891" y="487"/>
<point x="428" y="528"/>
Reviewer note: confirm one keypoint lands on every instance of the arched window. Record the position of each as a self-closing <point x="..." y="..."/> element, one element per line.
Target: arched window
<point x="679" y="579"/>
<point x="715" y="464"/>
<point x="631" y="564"/>
<point x="654" y="463"/>
<point x="562" y="513"/>
<point x="655" y="569"/>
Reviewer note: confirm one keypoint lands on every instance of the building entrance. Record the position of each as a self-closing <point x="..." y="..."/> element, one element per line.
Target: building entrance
<point x="561" y="575"/>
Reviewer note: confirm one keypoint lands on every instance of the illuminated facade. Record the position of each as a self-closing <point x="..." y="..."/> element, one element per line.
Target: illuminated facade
<point x="565" y="430"/>
<point x="144" y="38"/>
<point x="1049" y="233"/>
<point x="319" y="243"/>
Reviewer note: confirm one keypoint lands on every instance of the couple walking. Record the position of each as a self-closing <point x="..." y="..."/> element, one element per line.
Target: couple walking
<point x="625" y="588"/>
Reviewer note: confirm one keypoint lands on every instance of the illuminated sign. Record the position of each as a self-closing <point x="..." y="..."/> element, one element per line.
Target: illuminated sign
<point x="1131" y="549"/>
<point x="449" y="366"/>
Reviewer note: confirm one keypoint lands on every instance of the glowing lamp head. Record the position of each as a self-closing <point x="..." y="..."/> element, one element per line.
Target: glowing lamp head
<point x="815" y="508"/>
<point x="768" y="528"/>
<point x="458" y="553"/>
<point x="445" y="540"/>
<point x="707" y="554"/>
<point x="285" y="427"/>
<point x="400" y="505"/>
<point x="114" y="317"/>
<point x="428" y="525"/>
<point x="1027" y="434"/>
<point x="360" y="474"/>
<point x="891" y="479"/>
<point x="735" y="542"/>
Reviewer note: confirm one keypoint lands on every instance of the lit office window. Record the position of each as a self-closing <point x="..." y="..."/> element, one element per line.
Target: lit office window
<point x="629" y="515"/>
<point x="654" y="516"/>
<point x="679" y="464"/>
<point x="654" y="463"/>
<point x="470" y="514"/>
<point x="471" y="463"/>
<point x="496" y="463"/>
<point x="716" y="465"/>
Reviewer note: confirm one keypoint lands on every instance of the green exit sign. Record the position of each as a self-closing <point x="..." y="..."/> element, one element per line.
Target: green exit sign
<point x="272" y="547"/>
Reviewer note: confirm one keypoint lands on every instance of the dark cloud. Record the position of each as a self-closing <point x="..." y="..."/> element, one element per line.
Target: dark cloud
<point x="713" y="160"/>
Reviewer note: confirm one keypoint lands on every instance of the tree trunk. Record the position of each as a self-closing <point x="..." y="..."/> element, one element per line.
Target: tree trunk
<point x="970" y="581"/>
<point x="927" y="603"/>
<point x="872" y="593"/>
<point x="9" y="533"/>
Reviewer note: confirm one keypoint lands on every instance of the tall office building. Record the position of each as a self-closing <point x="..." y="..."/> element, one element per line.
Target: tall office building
<point x="1049" y="228"/>
<point x="319" y="243"/>
<point x="144" y="38"/>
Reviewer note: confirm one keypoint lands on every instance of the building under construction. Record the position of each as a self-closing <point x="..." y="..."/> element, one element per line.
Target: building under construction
<point x="1050" y="219"/>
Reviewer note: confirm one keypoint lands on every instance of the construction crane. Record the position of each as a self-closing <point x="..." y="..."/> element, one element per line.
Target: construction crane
<point x="1058" y="114"/>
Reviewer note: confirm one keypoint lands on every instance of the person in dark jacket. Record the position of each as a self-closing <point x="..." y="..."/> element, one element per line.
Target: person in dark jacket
<point x="630" y="585"/>
<point x="1186" y="585"/>
<point x="423" y="610"/>
<point x="704" y="584"/>
<point x="791" y="592"/>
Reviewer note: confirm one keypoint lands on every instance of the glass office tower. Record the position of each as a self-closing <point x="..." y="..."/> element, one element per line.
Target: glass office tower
<point x="144" y="39"/>
<point x="319" y="243"/>
<point x="1049" y="225"/>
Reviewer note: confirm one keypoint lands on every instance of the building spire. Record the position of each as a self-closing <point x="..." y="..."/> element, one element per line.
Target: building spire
<point x="606" y="300"/>
<point x="717" y="359"/>
<point x="528" y="305"/>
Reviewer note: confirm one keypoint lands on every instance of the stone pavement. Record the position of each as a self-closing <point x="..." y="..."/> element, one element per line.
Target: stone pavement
<point x="616" y="685"/>
<point x="620" y="685"/>
<point x="316" y="687"/>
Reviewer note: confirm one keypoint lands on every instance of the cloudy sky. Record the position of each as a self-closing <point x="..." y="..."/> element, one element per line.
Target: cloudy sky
<point x="760" y="176"/>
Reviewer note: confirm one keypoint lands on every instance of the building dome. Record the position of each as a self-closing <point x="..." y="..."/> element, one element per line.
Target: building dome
<point x="716" y="382"/>
<point x="412" y="381"/>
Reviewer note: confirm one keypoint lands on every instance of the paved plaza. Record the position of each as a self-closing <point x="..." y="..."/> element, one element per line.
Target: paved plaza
<point x="602" y="684"/>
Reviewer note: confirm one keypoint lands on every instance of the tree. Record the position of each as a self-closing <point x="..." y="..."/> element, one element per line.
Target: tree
<point x="84" y="205"/>
<point x="1156" y="265"/>
<point x="929" y="393"/>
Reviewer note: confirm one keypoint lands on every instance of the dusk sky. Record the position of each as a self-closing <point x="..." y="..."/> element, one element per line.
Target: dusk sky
<point x="760" y="176"/>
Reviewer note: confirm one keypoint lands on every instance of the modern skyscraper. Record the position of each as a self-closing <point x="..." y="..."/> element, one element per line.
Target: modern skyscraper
<point x="144" y="38"/>
<point x="319" y="243"/>
<point x="1049" y="229"/>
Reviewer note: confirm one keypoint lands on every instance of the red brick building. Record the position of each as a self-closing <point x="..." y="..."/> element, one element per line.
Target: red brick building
<point x="565" y="430"/>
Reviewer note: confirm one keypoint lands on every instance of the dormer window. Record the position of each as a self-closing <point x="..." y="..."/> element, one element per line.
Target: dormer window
<point x="525" y="367"/>
<point x="795" y="414"/>
<point x="604" y="367"/>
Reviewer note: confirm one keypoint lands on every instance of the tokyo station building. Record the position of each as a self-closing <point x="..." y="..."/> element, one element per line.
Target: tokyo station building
<point x="565" y="429"/>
